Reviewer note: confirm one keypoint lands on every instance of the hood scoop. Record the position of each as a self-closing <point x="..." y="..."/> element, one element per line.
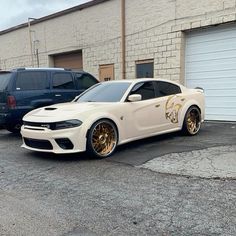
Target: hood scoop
<point x="50" y="108"/>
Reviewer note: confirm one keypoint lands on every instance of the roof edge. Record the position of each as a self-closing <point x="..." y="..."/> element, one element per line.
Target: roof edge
<point x="54" y="15"/>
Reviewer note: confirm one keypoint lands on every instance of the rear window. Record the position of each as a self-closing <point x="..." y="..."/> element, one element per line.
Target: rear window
<point x="31" y="80"/>
<point x="4" y="80"/>
<point x="85" y="81"/>
<point x="166" y="89"/>
<point x="63" y="81"/>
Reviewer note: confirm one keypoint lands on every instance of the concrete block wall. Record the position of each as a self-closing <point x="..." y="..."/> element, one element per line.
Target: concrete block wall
<point x="155" y="29"/>
<point x="95" y="30"/>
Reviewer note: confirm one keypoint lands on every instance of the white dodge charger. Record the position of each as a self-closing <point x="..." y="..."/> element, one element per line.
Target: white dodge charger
<point x="112" y="113"/>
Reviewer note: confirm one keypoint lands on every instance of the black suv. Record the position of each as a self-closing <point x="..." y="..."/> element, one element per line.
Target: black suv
<point x="24" y="89"/>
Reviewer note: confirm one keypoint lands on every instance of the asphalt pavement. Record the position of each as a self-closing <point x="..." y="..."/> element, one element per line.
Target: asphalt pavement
<point x="126" y="194"/>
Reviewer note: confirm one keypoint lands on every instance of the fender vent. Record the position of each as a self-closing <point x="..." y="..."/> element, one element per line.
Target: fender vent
<point x="50" y="108"/>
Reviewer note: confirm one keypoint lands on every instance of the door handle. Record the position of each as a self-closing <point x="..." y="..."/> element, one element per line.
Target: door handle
<point x="57" y="95"/>
<point x="157" y="105"/>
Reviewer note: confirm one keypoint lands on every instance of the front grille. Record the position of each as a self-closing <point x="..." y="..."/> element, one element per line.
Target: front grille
<point x="38" y="143"/>
<point x="51" y="126"/>
<point x="35" y="124"/>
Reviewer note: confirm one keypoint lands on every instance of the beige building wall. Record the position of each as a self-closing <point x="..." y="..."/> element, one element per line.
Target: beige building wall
<point x="155" y="29"/>
<point x="95" y="30"/>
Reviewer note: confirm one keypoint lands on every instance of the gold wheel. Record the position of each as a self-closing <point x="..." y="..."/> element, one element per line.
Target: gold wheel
<point x="193" y="121"/>
<point x="103" y="138"/>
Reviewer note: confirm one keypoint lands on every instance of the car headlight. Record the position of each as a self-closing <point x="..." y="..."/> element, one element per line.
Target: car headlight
<point x="65" y="124"/>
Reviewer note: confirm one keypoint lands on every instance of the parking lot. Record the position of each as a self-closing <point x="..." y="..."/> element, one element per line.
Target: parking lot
<point x="165" y="185"/>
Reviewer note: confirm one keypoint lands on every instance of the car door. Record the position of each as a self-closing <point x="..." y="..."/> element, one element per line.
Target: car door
<point x="170" y="102"/>
<point x="31" y="90"/>
<point x="142" y="115"/>
<point x="63" y="87"/>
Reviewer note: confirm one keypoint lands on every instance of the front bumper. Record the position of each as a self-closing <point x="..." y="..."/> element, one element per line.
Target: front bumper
<point x="75" y="135"/>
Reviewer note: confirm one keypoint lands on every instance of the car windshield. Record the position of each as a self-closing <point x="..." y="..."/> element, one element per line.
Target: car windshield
<point x="105" y="92"/>
<point x="4" y="79"/>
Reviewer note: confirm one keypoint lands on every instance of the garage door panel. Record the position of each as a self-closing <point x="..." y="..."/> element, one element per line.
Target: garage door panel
<point x="71" y="60"/>
<point x="225" y="111"/>
<point x="211" y="56"/>
<point x="228" y="45"/>
<point x="220" y="92"/>
<point x="221" y="117"/>
<point x="211" y="35"/>
<point x="217" y="83"/>
<point x="213" y="102"/>
<point x="211" y="74"/>
<point x="210" y="63"/>
<point x="227" y="64"/>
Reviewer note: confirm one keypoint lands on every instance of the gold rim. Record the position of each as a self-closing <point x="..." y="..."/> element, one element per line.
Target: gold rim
<point x="193" y="121"/>
<point x="104" y="139"/>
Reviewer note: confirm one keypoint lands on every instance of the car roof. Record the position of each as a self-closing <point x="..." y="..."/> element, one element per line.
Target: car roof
<point x="40" y="69"/>
<point x="4" y="71"/>
<point x="142" y="80"/>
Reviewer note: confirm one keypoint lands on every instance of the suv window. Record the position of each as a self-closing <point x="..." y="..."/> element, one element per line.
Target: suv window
<point x="145" y="89"/>
<point x="4" y="80"/>
<point x="62" y="81"/>
<point x="31" y="80"/>
<point x="165" y="88"/>
<point x="85" y="81"/>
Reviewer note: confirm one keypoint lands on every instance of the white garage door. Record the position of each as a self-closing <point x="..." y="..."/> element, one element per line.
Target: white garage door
<point x="210" y="63"/>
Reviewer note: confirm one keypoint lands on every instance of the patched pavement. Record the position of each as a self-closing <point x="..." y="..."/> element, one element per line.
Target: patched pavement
<point x="215" y="162"/>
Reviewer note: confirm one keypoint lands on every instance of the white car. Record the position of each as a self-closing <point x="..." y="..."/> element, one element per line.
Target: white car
<point x="113" y="113"/>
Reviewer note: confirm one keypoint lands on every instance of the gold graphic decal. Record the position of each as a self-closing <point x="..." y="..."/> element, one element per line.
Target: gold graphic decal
<point x="172" y="108"/>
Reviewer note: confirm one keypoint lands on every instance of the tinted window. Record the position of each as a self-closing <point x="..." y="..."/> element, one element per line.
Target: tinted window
<point x="144" y="70"/>
<point x="63" y="81"/>
<point x="31" y="80"/>
<point x="85" y="81"/>
<point x="146" y="90"/>
<point x="4" y="80"/>
<point x="105" y="92"/>
<point x="165" y="89"/>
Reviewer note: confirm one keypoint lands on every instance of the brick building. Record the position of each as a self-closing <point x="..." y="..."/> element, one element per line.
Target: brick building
<point x="193" y="42"/>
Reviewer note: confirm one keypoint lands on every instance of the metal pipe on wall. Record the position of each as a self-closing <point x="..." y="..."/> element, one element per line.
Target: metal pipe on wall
<point x="123" y="45"/>
<point x="30" y="40"/>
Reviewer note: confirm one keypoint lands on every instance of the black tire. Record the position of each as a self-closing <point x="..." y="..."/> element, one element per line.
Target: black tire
<point x="102" y="139"/>
<point x="192" y="121"/>
<point x="14" y="128"/>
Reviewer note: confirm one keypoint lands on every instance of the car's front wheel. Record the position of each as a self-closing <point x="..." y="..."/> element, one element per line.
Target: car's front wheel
<point x="192" y="121"/>
<point x="102" y="138"/>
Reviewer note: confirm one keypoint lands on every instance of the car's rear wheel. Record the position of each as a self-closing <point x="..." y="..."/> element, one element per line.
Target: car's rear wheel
<point x="102" y="139"/>
<point x="192" y="121"/>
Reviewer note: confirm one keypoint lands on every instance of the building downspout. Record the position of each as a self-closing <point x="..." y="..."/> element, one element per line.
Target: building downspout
<point x="123" y="45"/>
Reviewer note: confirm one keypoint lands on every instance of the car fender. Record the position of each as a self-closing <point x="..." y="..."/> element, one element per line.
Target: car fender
<point x="102" y="115"/>
<point x="184" y="109"/>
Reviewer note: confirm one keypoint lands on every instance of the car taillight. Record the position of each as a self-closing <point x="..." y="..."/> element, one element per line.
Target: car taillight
<point x="11" y="102"/>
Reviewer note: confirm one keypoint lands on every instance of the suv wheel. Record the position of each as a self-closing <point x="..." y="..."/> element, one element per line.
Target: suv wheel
<point x="14" y="128"/>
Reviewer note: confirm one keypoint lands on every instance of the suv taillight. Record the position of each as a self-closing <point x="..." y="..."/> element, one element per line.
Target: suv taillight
<point x="11" y="102"/>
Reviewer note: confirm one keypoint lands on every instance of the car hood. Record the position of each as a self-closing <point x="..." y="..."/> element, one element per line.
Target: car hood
<point x="65" y="111"/>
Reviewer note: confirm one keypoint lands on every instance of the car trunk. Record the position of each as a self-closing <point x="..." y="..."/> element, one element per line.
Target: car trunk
<point x="4" y="81"/>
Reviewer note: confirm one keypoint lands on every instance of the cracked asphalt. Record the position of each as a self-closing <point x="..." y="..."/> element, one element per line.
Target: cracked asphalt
<point x="45" y="194"/>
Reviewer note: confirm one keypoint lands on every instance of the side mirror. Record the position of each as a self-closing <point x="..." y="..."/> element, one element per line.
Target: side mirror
<point x="135" y="98"/>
